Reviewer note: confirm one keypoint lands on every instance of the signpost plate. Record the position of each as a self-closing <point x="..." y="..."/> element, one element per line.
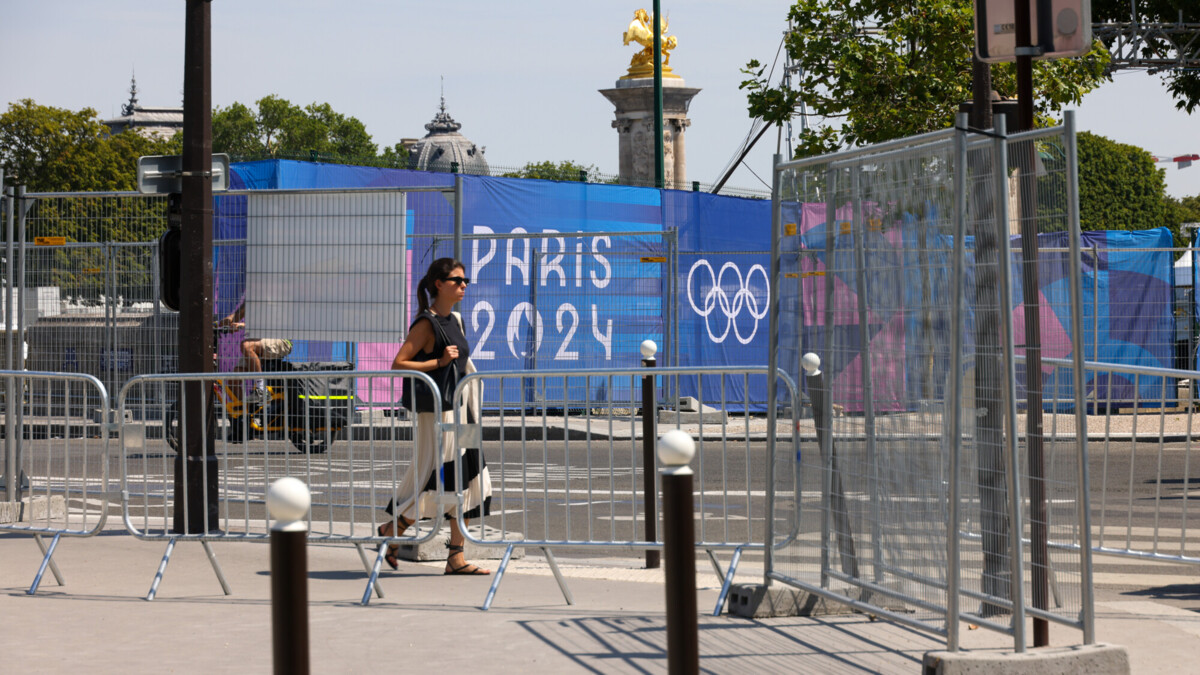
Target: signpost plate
<point x="163" y="174"/>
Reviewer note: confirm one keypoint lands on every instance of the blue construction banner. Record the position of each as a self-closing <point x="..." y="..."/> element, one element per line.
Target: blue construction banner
<point x="572" y="275"/>
<point x="723" y="291"/>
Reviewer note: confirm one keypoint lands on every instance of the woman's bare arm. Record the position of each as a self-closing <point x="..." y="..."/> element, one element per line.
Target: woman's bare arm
<point x="421" y="339"/>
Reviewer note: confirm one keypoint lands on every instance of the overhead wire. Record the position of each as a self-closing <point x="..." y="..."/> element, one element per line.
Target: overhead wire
<point x="757" y="123"/>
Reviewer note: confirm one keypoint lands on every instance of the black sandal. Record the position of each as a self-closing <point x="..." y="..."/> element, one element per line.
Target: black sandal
<point x="466" y="568"/>
<point x="390" y="557"/>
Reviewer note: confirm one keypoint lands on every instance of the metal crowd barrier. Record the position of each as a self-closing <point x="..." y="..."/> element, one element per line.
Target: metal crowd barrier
<point x="592" y="489"/>
<point x="1142" y="442"/>
<point x="56" y="430"/>
<point x="208" y="482"/>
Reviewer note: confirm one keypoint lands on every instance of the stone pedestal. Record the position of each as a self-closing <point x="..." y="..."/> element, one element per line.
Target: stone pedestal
<point x="634" y="102"/>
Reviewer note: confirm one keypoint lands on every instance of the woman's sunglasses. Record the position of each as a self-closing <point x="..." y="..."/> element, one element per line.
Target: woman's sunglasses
<point x="463" y="281"/>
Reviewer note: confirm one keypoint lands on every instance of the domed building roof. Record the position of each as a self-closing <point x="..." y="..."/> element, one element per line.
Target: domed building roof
<point x="443" y="146"/>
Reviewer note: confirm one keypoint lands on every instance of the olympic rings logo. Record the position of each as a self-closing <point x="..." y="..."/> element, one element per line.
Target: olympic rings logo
<point x="717" y="299"/>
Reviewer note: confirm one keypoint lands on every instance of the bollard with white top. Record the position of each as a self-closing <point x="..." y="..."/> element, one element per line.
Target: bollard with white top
<point x="833" y="491"/>
<point x="649" y="433"/>
<point x="288" y="500"/>
<point x="675" y="451"/>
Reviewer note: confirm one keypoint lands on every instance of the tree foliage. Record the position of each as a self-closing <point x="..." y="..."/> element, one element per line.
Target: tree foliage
<point x="1119" y="187"/>
<point x="1184" y="85"/>
<point x="875" y="70"/>
<point x="565" y="170"/>
<point x="50" y="149"/>
<point x="280" y="128"/>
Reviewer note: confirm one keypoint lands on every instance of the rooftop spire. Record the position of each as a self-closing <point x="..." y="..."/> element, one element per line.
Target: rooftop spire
<point x="128" y="108"/>
<point x="442" y="122"/>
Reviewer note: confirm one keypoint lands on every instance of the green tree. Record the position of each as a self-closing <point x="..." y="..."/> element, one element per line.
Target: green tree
<point x="279" y="128"/>
<point x="235" y="131"/>
<point x="877" y="70"/>
<point x="565" y="170"/>
<point x="1184" y="85"/>
<point x="50" y="149"/>
<point x="1120" y="188"/>
<point x="1181" y="212"/>
<point x="394" y="157"/>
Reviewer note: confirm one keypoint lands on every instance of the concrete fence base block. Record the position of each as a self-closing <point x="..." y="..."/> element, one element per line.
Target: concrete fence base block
<point x="34" y="509"/>
<point x="706" y="415"/>
<point x="10" y="512"/>
<point x="1097" y="659"/>
<point x="756" y="601"/>
<point x="435" y="548"/>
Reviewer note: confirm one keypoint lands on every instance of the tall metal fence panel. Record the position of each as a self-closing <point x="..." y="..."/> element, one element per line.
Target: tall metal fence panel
<point x="895" y="269"/>
<point x="88" y="285"/>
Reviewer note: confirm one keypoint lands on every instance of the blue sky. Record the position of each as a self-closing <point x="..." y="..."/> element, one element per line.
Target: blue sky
<point x="522" y="78"/>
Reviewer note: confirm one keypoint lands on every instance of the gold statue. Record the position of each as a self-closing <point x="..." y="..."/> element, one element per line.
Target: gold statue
<point x="641" y="32"/>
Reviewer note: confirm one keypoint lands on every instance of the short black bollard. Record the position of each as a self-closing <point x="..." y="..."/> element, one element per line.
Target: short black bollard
<point x="675" y="450"/>
<point x="649" y="433"/>
<point x="817" y="393"/>
<point x="287" y="501"/>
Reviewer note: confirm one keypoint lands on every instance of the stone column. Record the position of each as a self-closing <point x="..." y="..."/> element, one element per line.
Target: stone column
<point x="634" y="102"/>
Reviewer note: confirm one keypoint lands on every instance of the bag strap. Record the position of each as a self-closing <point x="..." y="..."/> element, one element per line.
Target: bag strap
<point x="438" y="334"/>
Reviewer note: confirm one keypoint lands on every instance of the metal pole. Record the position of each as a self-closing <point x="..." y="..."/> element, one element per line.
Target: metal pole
<point x="773" y="359"/>
<point x="196" y="467"/>
<point x="676" y="449"/>
<point x="989" y="425"/>
<point x="19" y="347"/>
<point x="659" y="164"/>
<point x="1096" y="311"/>
<point x="288" y="501"/>
<point x="458" y="216"/>
<point x="865" y="369"/>
<point x="826" y="402"/>
<point x="1088" y="608"/>
<point x="1027" y="178"/>
<point x="954" y="396"/>
<point x="835" y="495"/>
<point x="649" y="433"/>
<point x="10" y="395"/>
<point x="1016" y="558"/>
<point x="110" y="319"/>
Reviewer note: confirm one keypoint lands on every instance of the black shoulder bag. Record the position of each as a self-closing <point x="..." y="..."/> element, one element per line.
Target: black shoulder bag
<point x="417" y="396"/>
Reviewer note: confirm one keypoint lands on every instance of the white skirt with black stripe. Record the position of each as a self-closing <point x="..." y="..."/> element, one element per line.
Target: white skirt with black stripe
<point x="477" y="496"/>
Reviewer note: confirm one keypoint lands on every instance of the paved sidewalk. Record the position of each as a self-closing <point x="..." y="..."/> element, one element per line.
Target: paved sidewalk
<point x="99" y="623"/>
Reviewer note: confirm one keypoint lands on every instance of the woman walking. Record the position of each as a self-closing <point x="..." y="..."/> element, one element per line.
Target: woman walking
<point x="443" y="285"/>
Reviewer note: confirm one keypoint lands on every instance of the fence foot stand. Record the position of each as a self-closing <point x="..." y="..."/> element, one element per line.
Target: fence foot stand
<point x="47" y="561"/>
<point x="728" y="582"/>
<point x="372" y="574"/>
<point x="712" y="558"/>
<point x="491" y="594"/>
<point x="212" y="560"/>
<point x="162" y="567"/>
<point x="562" y="582"/>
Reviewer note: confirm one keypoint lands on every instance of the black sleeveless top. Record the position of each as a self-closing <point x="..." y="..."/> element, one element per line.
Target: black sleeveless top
<point x="450" y="326"/>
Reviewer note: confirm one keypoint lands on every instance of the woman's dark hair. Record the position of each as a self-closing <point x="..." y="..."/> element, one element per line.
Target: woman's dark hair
<point x="427" y="288"/>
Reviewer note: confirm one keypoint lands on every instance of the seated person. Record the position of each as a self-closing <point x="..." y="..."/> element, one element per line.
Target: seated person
<point x="256" y="350"/>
